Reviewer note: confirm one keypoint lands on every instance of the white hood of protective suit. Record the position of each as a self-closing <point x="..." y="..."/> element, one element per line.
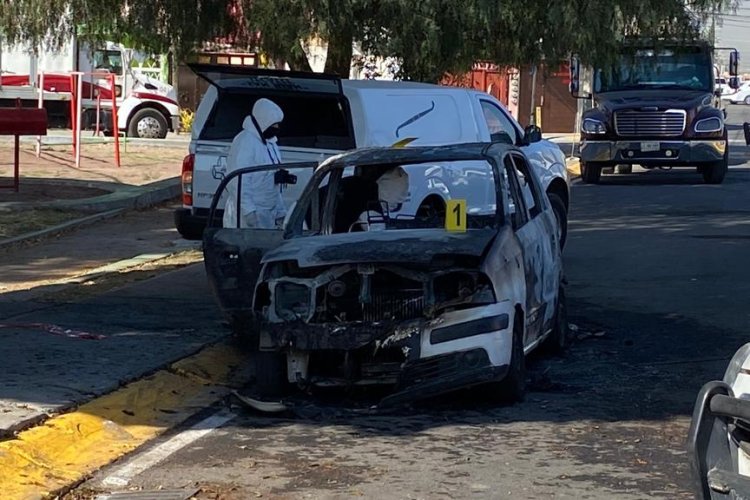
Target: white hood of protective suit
<point x="393" y="186"/>
<point x="266" y="113"/>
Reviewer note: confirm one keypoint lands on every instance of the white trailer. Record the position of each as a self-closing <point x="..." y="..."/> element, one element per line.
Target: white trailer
<point x="146" y="107"/>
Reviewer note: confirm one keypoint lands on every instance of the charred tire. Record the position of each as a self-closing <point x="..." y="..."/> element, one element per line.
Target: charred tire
<point x="148" y="124"/>
<point x="591" y="173"/>
<point x="243" y="334"/>
<point x="715" y="172"/>
<point x="561" y="214"/>
<point x="557" y="342"/>
<point x="513" y="386"/>
<point x="270" y="373"/>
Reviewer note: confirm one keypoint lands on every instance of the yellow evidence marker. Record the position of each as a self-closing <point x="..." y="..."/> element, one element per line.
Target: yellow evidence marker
<point x="455" y="216"/>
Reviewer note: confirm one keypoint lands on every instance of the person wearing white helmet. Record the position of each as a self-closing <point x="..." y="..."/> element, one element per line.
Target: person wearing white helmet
<point x="261" y="204"/>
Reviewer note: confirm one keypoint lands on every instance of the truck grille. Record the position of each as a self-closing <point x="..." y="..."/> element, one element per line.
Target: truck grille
<point x="650" y="123"/>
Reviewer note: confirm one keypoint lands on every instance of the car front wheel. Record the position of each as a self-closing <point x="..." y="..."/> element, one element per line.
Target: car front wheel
<point x="513" y="386"/>
<point x="561" y="214"/>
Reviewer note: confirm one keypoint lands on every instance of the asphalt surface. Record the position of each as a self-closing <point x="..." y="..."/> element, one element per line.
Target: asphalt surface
<point x="658" y="286"/>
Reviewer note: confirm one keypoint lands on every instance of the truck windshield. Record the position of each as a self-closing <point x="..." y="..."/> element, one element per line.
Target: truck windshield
<point x="673" y="68"/>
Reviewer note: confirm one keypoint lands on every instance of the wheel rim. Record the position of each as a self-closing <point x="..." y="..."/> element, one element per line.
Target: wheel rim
<point x="149" y="128"/>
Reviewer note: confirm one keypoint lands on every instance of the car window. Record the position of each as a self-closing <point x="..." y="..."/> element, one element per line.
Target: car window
<point x="531" y="194"/>
<point x="516" y="201"/>
<point x="500" y="125"/>
<point x="407" y="196"/>
<point x="320" y="122"/>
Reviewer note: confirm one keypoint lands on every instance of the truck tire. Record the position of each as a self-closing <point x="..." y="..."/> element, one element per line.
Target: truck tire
<point x="148" y="124"/>
<point x="561" y="214"/>
<point x="624" y="169"/>
<point x="715" y="172"/>
<point x="591" y="173"/>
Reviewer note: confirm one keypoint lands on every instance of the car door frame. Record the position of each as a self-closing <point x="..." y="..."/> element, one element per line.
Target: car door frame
<point x="528" y="235"/>
<point x="233" y="256"/>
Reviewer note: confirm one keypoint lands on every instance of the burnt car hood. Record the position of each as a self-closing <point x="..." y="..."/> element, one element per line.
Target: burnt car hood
<point x="662" y="99"/>
<point x="415" y="246"/>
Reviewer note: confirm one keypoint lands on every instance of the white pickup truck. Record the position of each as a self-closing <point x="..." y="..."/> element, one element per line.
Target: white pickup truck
<point x="325" y="115"/>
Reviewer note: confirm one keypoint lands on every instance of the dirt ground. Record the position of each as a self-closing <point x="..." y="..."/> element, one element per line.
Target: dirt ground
<point x="139" y="164"/>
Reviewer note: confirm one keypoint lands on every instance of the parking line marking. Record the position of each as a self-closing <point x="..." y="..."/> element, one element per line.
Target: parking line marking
<point x="55" y="455"/>
<point x="122" y="475"/>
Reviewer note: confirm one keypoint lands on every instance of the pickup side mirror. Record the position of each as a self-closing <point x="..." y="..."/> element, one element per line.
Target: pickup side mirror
<point x="734" y="62"/>
<point x="531" y="134"/>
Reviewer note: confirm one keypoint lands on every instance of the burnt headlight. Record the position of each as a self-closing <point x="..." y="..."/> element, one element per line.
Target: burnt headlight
<point x="292" y="301"/>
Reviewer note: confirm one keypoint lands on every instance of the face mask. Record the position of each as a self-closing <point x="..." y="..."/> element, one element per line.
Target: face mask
<point x="271" y="132"/>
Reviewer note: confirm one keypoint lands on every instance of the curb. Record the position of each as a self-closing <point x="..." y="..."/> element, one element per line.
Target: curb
<point x="52" y="457"/>
<point x="107" y="206"/>
<point x="573" y="165"/>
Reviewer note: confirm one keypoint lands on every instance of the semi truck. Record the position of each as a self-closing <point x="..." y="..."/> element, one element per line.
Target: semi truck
<point x="658" y="106"/>
<point x="146" y="107"/>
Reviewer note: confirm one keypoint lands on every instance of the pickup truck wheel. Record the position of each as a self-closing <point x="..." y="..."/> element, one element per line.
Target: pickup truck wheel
<point x="148" y="124"/>
<point x="557" y="341"/>
<point x="561" y="214"/>
<point x="747" y="100"/>
<point x="591" y="173"/>
<point x="513" y="386"/>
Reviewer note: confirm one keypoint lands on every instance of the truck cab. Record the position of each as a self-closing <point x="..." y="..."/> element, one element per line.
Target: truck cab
<point x="655" y="106"/>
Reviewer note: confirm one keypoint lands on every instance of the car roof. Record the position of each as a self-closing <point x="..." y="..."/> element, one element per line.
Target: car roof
<point x="388" y="84"/>
<point x="415" y="155"/>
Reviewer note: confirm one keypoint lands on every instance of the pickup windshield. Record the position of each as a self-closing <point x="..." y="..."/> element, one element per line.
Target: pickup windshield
<point x="688" y="68"/>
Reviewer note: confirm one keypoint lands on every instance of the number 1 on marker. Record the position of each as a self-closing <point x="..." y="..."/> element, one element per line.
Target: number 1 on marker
<point x="455" y="219"/>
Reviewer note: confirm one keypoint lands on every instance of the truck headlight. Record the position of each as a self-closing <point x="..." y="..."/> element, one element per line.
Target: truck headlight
<point x="592" y="126"/>
<point x="713" y="124"/>
<point x="292" y="301"/>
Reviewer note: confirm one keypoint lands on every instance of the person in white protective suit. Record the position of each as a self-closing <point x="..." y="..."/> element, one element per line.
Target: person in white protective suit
<point x="261" y="205"/>
<point x="393" y="190"/>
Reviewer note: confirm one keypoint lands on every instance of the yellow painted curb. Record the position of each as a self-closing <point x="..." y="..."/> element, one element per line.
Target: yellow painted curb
<point x="574" y="167"/>
<point x="65" y="449"/>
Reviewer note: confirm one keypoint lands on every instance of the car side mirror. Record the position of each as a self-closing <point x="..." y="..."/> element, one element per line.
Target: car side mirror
<point x="531" y="134"/>
<point x="734" y="82"/>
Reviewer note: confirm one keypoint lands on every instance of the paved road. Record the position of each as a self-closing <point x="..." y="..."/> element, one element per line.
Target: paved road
<point x="658" y="289"/>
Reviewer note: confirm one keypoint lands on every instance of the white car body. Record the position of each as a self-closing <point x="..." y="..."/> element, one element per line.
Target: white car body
<point x="740" y="96"/>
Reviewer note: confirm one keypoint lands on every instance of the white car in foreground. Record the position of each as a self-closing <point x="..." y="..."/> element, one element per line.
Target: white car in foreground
<point x="422" y="299"/>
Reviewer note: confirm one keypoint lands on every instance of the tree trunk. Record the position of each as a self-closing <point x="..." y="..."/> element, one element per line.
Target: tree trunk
<point x="297" y="61"/>
<point x="339" y="58"/>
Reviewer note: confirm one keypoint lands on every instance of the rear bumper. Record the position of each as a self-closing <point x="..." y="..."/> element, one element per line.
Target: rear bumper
<point x="190" y="223"/>
<point x="670" y="152"/>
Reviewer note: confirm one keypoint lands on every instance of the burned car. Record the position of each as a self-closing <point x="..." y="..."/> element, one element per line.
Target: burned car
<point x="370" y="282"/>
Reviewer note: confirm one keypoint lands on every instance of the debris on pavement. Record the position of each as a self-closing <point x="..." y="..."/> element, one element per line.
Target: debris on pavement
<point x="55" y="330"/>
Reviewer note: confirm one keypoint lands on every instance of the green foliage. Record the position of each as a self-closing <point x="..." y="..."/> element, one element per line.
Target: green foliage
<point x="430" y="37"/>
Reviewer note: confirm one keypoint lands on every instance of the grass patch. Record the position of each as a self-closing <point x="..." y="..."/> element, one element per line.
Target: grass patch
<point x="15" y="223"/>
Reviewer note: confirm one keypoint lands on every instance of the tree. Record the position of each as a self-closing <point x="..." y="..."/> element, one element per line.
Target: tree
<point x="429" y="37"/>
